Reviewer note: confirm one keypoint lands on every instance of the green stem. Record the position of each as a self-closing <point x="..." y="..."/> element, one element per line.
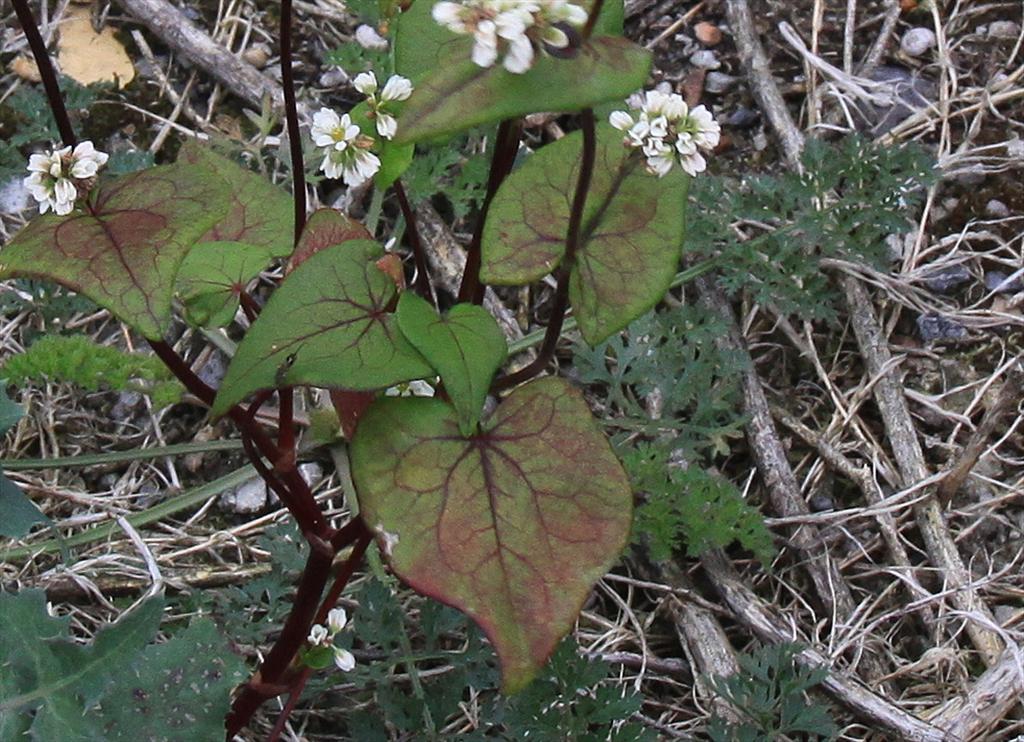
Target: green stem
<point x="117" y="457"/>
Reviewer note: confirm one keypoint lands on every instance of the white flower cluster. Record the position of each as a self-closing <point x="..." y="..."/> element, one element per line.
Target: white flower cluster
<point x="667" y="131"/>
<point x="323" y="636"/>
<point x="57" y="177"/>
<point x="514" y="28"/>
<point x="346" y="150"/>
<point x="397" y="88"/>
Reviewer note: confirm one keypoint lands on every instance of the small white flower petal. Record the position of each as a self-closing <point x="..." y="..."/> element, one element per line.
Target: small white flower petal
<point x="365" y="83"/>
<point x="693" y="164"/>
<point x="449" y="15"/>
<point x="336" y="620"/>
<point x="396" y="88"/>
<point x="519" y="58"/>
<point x="659" y="165"/>
<point x="621" y="120"/>
<point x="318" y="634"/>
<point x="674" y="107"/>
<point x="344" y="659"/>
<point x="387" y="125"/>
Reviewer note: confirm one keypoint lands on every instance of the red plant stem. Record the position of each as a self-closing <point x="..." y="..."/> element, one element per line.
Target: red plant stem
<point x="291" y="113"/>
<point x="294" y="693"/>
<point x="249" y="306"/>
<point x="293" y="634"/>
<point x="423" y="285"/>
<point x="595" y="11"/>
<point x="506" y="145"/>
<point x="564" y="271"/>
<point x="285" y="421"/>
<point x="46" y="72"/>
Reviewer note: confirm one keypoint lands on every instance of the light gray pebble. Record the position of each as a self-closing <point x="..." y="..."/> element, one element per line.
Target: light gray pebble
<point x="1003" y="29"/>
<point x="917" y="41"/>
<point x="933" y="326"/>
<point x="1003" y="284"/>
<point x="333" y="78"/>
<point x="997" y="209"/>
<point x="247" y="498"/>
<point x="14" y="196"/>
<point x="705" y="59"/>
<point x="948" y="279"/>
<point x="718" y="82"/>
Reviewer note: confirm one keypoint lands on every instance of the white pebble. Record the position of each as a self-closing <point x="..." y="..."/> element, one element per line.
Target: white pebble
<point x="997" y="209"/>
<point x="368" y="38"/>
<point x="917" y="41"/>
<point x="705" y="59"/>
<point x="1004" y="29"/>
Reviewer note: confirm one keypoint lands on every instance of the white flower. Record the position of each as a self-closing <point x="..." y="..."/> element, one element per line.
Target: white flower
<point x="318" y="635"/>
<point x="336" y="620"/>
<point x="55" y="178"/>
<point x="344" y="660"/>
<point x="346" y="154"/>
<point x="396" y="89"/>
<point x="368" y="38"/>
<point x="667" y="131"/>
<point x="513" y="29"/>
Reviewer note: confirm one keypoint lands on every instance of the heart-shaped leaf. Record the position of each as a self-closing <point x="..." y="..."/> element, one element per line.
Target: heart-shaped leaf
<point x="465" y="347"/>
<point x="261" y="213"/>
<point x="459" y="95"/>
<point x="325" y="228"/>
<point x="213" y="275"/>
<point x="631" y="236"/>
<point x="512" y="525"/>
<point x="328" y="325"/>
<point x="124" y="250"/>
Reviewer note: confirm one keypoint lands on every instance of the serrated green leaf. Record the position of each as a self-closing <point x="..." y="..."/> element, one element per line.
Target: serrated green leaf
<point x="512" y="525"/>
<point x="465" y="346"/>
<point x="124" y="250"/>
<point x="56" y="679"/>
<point x="179" y="690"/>
<point x="212" y="277"/>
<point x="631" y="236"/>
<point x="458" y="94"/>
<point x="327" y="325"/>
<point x="260" y="214"/>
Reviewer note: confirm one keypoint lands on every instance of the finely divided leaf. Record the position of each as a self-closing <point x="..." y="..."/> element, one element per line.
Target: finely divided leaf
<point x="631" y="237"/>
<point x="213" y="276"/>
<point x="465" y="346"/>
<point x="124" y="250"/>
<point x="45" y="673"/>
<point x="327" y="325"/>
<point x="459" y="95"/>
<point x="260" y="213"/>
<point x="512" y="525"/>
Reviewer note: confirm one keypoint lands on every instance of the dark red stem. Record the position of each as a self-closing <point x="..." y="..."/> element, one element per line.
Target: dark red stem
<point x="595" y="11"/>
<point x="285" y="420"/>
<point x="423" y="285"/>
<point x="506" y="145"/>
<point x="291" y="114"/>
<point x="46" y="72"/>
<point x="572" y="245"/>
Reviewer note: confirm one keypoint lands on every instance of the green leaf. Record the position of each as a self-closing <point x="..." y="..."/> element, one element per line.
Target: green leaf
<point x="212" y="277"/>
<point x="512" y="525"/>
<point x="631" y="235"/>
<point x="465" y="347"/>
<point x="17" y="512"/>
<point x="326" y="325"/>
<point x="10" y="411"/>
<point x="179" y="690"/>
<point x="124" y="251"/>
<point x="261" y="213"/>
<point x="394" y="158"/>
<point x="459" y="95"/>
<point x="56" y="678"/>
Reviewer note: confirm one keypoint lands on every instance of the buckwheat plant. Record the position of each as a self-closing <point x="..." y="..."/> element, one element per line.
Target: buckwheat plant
<point x="490" y="489"/>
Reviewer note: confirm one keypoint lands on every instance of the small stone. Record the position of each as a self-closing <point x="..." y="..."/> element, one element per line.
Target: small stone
<point x="821" y="503"/>
<point x="25" y="68"/>
<point x="1015" y="148"/>
<point x="997" y="209"/>
<point x="1001" y="283"/>
<point x="368" y="38"/>
<point x="1003" y="30"/>
<point x="333" y="78"/>
<point x="212" y="372"/>
<point x="247" y="498"/>
<point x="933" y="326"/>
<point x="743" y="118"/>
<point x="311" y="473"/>
<point x="664" y="87"/>
<point x="946" y="280"/>
<point x="257" y="55"/>
<point x="14" y="196"/>
<point x="718" y="82"/>
<point x="760" y="141"/>
<point x="705" y="59"/>
<point x="708" y="33"/>
<point x="917" y="41"/>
